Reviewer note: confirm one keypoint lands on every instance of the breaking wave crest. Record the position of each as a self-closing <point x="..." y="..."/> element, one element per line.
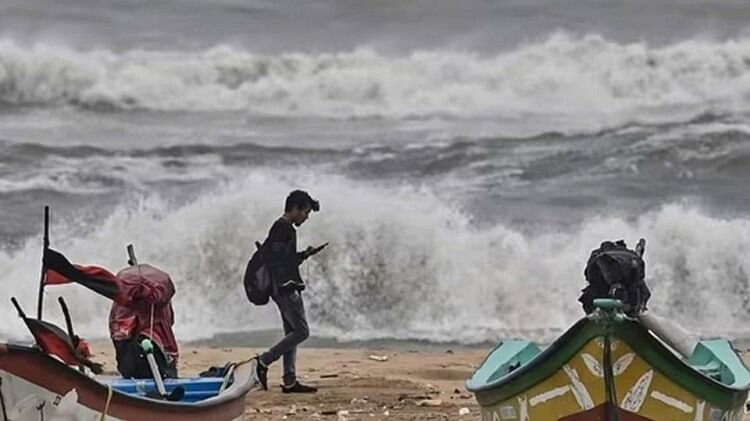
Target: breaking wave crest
<point x="402" y="263"/>
<point x="562" y="75"/>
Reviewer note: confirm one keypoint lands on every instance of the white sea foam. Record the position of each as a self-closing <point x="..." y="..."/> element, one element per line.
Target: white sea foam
<point x="402" y="264"/>
<point x="589" y="79"/>
<point x="98" y="174"/>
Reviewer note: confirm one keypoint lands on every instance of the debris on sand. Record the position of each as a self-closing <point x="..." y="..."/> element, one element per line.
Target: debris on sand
<point x="430" y="402"/>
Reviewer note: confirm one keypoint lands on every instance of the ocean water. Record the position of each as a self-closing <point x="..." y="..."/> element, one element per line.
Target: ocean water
<point x="467" y="155"/>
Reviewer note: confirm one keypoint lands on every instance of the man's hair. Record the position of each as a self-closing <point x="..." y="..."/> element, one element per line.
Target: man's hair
<point x="300" y="199"/>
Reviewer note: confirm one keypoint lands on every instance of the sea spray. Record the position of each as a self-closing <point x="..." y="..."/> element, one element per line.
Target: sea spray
<point x="403" y="263"/>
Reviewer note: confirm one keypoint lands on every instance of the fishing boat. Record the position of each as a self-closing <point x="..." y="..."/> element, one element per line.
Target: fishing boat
<point x="49" y="380"/>
<point x="613" y="366"/>
<point x="55" y="379"/>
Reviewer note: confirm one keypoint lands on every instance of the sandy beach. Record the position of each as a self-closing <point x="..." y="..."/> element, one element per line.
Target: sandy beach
<point x="412" y="384"/>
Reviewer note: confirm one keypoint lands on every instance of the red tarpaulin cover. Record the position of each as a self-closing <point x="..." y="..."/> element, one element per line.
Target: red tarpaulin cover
<point x="141" y="296"/>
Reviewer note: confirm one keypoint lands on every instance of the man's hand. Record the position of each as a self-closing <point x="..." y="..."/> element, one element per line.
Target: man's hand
<point x="312" y="251"/>
<point x="308" y="251"/>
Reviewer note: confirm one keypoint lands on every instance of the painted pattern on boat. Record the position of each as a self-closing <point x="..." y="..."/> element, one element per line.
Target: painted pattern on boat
<point x="578" y="387"/>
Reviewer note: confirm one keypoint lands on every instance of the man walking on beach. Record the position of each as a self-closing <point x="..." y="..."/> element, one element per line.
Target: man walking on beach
<point x="282" y="260"/>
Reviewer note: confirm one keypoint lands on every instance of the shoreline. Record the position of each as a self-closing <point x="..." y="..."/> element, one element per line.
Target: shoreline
<point x="268" y="337"/>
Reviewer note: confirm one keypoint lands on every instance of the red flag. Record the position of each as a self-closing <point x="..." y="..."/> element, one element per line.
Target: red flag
<point x="54" y="278"/>
<point x="60" y="271"/>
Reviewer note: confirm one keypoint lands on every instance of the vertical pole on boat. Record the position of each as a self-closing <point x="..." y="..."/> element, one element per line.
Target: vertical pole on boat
<point x="69" y="325"/>
<point x="132" y="260"/>
<point x="609" y="381"/>
<point x="40" y="299"/>
<point x="2" y="401"/>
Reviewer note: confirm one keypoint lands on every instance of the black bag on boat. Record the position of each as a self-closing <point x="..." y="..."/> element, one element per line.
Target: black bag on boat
<point x="132" y="362"/>
<point x="257" y="280"/>
<point x="615" y="271"/>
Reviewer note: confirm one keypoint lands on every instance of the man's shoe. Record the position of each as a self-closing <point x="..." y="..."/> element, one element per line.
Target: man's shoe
<point x="261" y="372"/>
<point x="298" y="387"/>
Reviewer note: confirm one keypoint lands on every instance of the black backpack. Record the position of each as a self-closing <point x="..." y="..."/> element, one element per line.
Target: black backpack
<point x="257" y="280"/>
<point x="615" y="271"/>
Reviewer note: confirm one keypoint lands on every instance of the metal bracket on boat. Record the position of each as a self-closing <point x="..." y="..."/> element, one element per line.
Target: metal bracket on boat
<point x="607" y="303"/>
<point x="608" y="309"/>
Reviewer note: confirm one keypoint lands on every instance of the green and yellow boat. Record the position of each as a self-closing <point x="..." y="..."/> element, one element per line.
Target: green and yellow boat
<point x="612" y="367"/>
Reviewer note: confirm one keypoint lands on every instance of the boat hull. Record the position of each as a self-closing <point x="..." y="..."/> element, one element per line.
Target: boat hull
<point x="569" y="382"/>
<point x="37" y="386"/>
